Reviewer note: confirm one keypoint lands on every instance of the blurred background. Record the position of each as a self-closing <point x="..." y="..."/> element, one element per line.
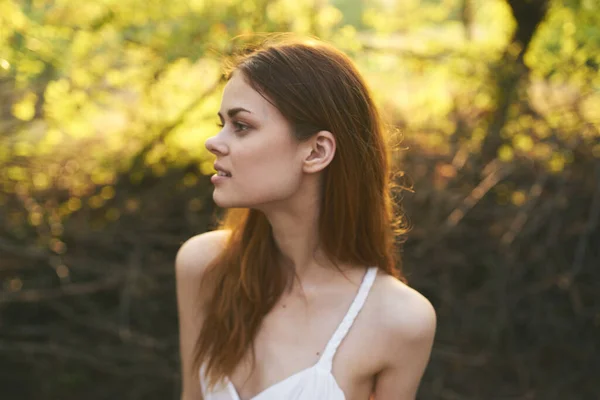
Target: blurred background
<point x="104" y="109"/>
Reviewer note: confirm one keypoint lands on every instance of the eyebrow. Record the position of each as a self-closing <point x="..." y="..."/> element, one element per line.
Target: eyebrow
<point x="233" y="111"/>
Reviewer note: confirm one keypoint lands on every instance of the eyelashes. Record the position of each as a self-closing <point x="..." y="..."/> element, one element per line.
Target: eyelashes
<point x="239" y="127"/>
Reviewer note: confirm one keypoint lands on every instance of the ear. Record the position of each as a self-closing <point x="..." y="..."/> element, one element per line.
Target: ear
<point x="320" y="151"/>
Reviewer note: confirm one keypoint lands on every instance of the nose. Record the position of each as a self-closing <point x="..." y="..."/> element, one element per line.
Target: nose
<point x="216" y="145"/>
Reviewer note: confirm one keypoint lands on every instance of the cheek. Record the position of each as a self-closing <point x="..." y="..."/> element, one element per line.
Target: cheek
<point x="271" y="176"/>
<point x="267" y="175"/>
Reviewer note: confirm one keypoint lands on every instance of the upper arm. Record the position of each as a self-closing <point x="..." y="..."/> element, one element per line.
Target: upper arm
<point x="411" y="331"/>
<point x="192" y="258"/>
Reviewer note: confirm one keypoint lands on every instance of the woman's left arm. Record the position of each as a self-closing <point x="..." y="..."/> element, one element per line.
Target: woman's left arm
<point x="410" y="339"/>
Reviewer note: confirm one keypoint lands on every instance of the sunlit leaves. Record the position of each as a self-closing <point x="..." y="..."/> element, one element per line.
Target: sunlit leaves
<point x="506" y="153"/>
<point x="41" y="181"/>
<point x="12" y="19"/>
<point x="69" y="13"/>
<point x="387" y="16"/>
<point x="557" y="162"/>
<point x="24" y="109"/>
<point x="74" y="204"/>
<point x="566" y="46"/>
<point x="523" y="142"/>
<point x="494" y="23"/>
<point x="16" y="173"/>
<point x="96" y="84"/>
<point x="83" y="42"/>
<point x="439" y="76"/>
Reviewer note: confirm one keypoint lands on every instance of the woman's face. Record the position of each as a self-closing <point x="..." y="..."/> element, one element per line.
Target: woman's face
<point x="256" y="147"/>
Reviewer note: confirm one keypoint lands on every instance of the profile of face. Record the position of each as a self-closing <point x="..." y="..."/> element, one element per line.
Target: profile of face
<point x="264" y="163"/>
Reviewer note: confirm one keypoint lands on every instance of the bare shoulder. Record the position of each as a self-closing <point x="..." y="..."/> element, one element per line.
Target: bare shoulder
<point x="401" y="325"/>
<point x="405" y="316"/>
<point x="405" y="323"/>
<point x="191" y="261"/>
<point x="198" y="251"/>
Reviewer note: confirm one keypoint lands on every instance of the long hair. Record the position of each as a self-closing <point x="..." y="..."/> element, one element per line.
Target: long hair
<point x="315" y="87"/>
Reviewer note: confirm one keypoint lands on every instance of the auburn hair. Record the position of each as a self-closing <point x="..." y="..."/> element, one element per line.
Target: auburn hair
<point x="315" y="87"/>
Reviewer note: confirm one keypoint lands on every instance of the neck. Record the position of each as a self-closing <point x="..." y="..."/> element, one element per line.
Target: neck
<point x="295" y="227"/>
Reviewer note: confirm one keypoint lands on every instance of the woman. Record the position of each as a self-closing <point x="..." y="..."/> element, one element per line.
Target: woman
<point x="298" y="295"/>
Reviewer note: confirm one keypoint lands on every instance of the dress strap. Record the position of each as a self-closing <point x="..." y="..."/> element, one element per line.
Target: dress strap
<point x="326" y="359"/>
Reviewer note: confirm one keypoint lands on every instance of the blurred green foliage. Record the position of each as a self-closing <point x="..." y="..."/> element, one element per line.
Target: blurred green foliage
<point x="103" y="83"/>
<point x="96" y="88"/>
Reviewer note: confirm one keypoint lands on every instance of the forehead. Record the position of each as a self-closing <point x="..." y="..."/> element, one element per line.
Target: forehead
<point x="238" y="93"/>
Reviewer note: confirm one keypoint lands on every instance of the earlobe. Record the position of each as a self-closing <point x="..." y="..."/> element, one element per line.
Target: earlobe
<point x="321" y="152"/>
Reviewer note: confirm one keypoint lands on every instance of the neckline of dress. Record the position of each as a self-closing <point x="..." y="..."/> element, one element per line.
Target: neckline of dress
<point x="236" y="395"/>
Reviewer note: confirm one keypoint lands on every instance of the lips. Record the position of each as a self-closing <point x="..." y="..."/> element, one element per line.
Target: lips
<point x="222" y="171"/>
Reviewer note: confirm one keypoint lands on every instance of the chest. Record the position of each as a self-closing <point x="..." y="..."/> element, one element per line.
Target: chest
<point x="296" y="332"/>
<point x="293" y="337"/>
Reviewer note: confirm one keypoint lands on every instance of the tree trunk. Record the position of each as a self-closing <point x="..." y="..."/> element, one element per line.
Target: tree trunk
<point x="511" y="69"/>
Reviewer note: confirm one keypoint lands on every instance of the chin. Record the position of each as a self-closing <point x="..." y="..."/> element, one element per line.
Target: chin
<point x="257" y="201"/>
<point x="224" y="202"/>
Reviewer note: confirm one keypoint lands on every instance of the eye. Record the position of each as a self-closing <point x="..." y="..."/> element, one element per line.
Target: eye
<point x="239" y="127"/>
